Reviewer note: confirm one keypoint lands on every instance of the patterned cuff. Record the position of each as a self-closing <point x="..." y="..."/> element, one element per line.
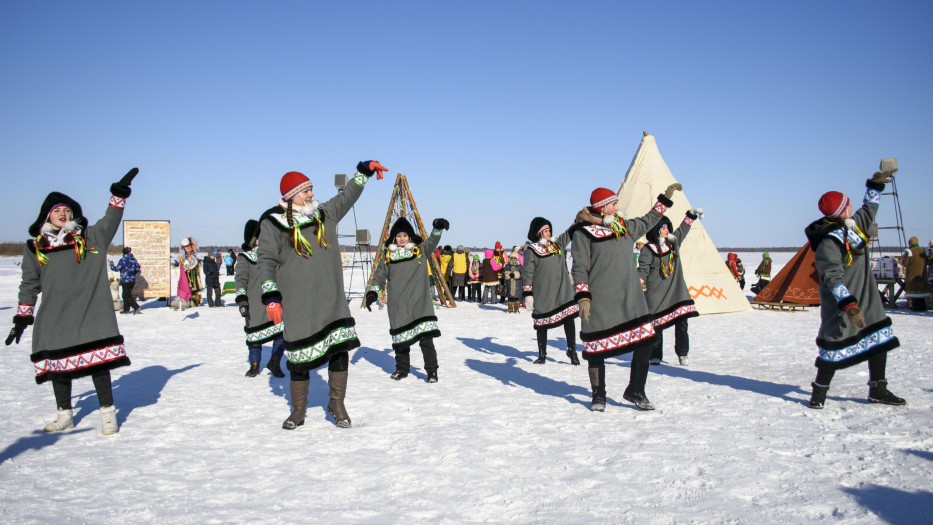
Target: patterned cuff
<point x="25" y="310"/>
<point x="660" y="207"/>
<point x="844" y="299"/>
<point x="269" y="286"/>
<point x="688" y="220"/>
<point x="873" y="196"/>
<point x="360" y="179"/>
<point x="642" y="281"/>
<point x="436" y="232"/>
<point x="526" y="291"/>
<point x="270" y="293"/>
<point x="117" y="202"/>
<point x="375" y="288"/>
<point x="583" y="292"/>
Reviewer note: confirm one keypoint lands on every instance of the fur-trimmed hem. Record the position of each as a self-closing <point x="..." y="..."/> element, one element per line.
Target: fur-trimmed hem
<point x="620" y="339"/>
<point x="259" y="328"/>
<point x="409" y="326"/>
<point x="316" y="363"/>
<point x="849" y="341"/>
<point x="570" y="310"/>
<point x="83" y="372"/>
<point x="858" y="358"/>
<point x="71" y="351"/>
<point x="667" y="317"/>
<point x="411" y="342"/>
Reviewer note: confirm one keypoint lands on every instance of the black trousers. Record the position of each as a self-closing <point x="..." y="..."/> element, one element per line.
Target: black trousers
<point x="339" y="362"/>
<point x="681" y="341"/>
<point x="403" y="356"/>
<point x="638" y="375"/>
<point x="570" y="332"/>
<point x="230" y="270"/>
<point x="459" y="292"/>
<point x="128" y="300"/>
<point x="62" y="389"/>
<point x="215" y="291"/>
<point x="876" y="366"/>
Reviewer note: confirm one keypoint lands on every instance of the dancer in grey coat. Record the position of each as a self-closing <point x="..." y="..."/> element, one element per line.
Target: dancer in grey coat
<point x="548" y="290"/>
<point x="302" y="283"/>
<point x="661" y="270"/>
<point x="76" y="333"/>
<point x="612" y="306"/>
<point x="259" y="328"/>
<point x="403" y="271"/>
<point x="854" y="326"/>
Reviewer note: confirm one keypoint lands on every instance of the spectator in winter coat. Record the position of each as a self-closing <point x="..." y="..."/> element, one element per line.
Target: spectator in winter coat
<point x="475" y="284"/>
<point x="129" y="269"/>
<point x="490" y="277"/>
<point x="447" y="254"/>
<point x="512" y="274"/>
<point x="763" y="272"/>
<point x="229" y="261"/>
<point x="458" y="274"/>
<point x="499" y="262"/>
<point x="733" y="265"/>
<point x="212" y="280"/>
<point x="917" y="287"/>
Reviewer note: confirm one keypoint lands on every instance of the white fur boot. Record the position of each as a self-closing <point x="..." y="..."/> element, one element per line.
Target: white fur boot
<point x="109" y="417"/>
<point x="62" y="422"/>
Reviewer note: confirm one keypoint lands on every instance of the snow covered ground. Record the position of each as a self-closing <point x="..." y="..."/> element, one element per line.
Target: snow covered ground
<point x="496" y="440"/>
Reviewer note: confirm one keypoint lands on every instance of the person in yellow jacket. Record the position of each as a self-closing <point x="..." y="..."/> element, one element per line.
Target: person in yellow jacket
<point x="458" y="273"/>
<point x="447" y="254"/>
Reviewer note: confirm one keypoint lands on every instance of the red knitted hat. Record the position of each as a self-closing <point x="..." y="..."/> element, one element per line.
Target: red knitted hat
<point x="832" y="203"/>
<point x="498" y="245"/>
<point x="601" y="197"/>
<point x="292" y="184"/>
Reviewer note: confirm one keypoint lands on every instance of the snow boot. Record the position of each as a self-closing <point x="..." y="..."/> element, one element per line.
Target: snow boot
<point x="878" y="393"/>
<point x="542" y="356"/>
<point x="818" y="398"/>
<point x="109" y="417"/>
<point x="62" y="421"/>
<point x="572" y="354"/>
<point x="299" y="392"/>
<point x="598" y="384"/>
<point x="638" y="399"/>
<point x="398" y="375"/>
<point x="655" y="361"/>
<point x="684" y="360"/>
<point x="635" y="392"/>
<point x="432" y="376"/>
<point x="253" y="369"/>
<point x="275" y="365"/>
<point x="338" y="390"/>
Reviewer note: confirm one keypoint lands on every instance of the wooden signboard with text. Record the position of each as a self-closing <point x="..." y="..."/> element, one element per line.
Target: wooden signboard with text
<point x="151" y="242"/>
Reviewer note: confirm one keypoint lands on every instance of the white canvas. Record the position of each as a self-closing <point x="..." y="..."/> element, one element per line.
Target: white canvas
<point x="710" y="283"/>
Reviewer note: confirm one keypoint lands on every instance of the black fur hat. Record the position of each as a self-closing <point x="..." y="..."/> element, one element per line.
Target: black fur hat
<point x="536" y="224"/>
<point x="54" y="199"/>
<point x="126" y="250"/>
<point x="652" y="235"/>
<point x="403" y="226"/>
<point x="250" y="234"/>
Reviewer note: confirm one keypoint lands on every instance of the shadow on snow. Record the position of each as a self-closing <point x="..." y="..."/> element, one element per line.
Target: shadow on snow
<point x="756" y="386"/>
<point x="36" y="441"/>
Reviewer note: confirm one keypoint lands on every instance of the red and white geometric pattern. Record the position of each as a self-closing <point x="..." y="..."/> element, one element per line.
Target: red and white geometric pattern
<point x="25" y="309"/>
<point x="526" y="288"/>
<point x="581" y="287"/>
<point x="654" y="247"/>
<point x="686" y="309"/>
<point x="559" y="316"/>
<point x="660" y="208"/>
<point x="117" y="202"/>
<point x="599" y="231"/>
<point x="688" y="221"/>
<point x="77" y="362"/>
<point x="619" y="340"/>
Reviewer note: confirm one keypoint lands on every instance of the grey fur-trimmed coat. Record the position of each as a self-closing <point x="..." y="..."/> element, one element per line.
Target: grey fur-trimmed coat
<point x="604" y="271"/>
<point x="546" y="278"/>
<point x="667" y="296"/>
<point x="317" y="318"/>
<point x="840" y="343"/>
<point x="408" y="292"/>
<point x="259" y="328"/>
<point x="75" y="333"/>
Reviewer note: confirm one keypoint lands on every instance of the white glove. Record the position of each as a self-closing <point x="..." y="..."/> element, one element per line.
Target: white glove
<point x="698" y="212"/>
<point x="530" y="303"/>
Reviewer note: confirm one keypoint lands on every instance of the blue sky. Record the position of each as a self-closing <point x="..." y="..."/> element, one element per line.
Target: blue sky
<point x="495" y="111"/>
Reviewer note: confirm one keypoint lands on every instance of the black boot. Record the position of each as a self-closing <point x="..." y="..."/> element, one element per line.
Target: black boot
<point x="572" y="354"/>
<point x="635" y="392"/>
<point x="402" y="364"/>
<point x="432" y="376"/>
<point x="818" y="398"/>
<point x="879" y="393"/>
<point x="542" y="354"/>
<point x="253" y="369"/>
<point x="598" y="384"/>
<point x="275" y="365"/>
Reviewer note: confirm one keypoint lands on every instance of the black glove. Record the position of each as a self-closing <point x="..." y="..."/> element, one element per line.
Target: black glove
<point x="371" y="297"/>
<point x="244" y="309"/>
<point x="441" y="224"/>
<point x="122" y="189"/>
<point x="20" y="322"/>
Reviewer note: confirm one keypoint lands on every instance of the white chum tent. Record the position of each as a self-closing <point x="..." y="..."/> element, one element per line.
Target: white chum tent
<point x="710" y="282"/>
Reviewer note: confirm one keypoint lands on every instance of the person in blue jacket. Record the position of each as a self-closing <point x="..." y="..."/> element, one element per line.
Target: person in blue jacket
<point x="229" y="261"/>
<point x="129" y="268"/>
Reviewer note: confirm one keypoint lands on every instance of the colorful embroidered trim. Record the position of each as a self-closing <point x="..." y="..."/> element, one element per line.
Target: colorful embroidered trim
<point x="606" y="201"/>
<point x="360" y="179"/>
<point x="269" y="286"/>
<point x="266" y="333"/>
<point x="872" y="196"/>
<point x="83" y="360"/>
<point x="867" y="343"/>
<point x="297" y="189"/>
<point x="526" y="288"/>
<point x="559" y="316"/>
<point x="659" y="207"/>
<point x="619" y="340"/>
<point x="683" y="310"/>
<point x="25" y="309"/>
<point x="582" y="287"/>
<point x="241" y="291"/>
<point x="315" y="351"/>
<point x="541" y="230"/>
<point x="842" y="206"/>
<point x="117" y="202"/>
<point x="688" y="221"/>
<point x="840" y="292"/>
<point x="408" y="335"/>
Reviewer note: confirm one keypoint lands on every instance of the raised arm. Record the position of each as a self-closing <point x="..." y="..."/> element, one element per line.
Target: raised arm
<point x="638" y="227"/>
<point x="564" y="239"/>
<point x="681" y="232"/>
<point x="430" y="244"/>
<point x="338" y="206"/>
<point x="102" y="232"/>
<point x="865" y="215"/>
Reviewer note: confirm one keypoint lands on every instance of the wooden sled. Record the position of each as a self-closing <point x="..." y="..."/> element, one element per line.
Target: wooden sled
<point x="779" y="307"/>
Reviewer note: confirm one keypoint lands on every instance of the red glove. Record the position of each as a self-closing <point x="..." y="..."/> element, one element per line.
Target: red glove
<point x="274" y="309"/>
<point x="378" y="168"/>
